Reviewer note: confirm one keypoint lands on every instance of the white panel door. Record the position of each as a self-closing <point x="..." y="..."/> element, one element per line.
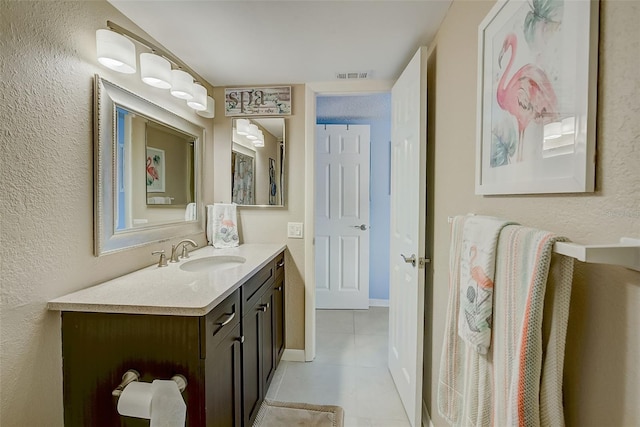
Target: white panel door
<point x="407" y="240"/>
<point x="342" y="216"/>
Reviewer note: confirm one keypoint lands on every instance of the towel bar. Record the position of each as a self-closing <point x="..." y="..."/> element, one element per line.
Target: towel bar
<point x="626" y="253"/>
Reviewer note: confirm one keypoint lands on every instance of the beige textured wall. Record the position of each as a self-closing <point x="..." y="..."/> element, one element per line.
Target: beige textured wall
<point x="269" y="225"/>
<point x="602" y="377"/>
<point x="46" y="190"/>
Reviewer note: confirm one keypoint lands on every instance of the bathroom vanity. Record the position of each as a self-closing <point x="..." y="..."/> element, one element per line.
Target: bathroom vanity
<point x="216" y="318"/>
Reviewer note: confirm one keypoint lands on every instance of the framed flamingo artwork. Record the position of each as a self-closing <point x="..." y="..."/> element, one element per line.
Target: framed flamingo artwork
<point x="155" y="170"/>
<point x="537" y="82"/>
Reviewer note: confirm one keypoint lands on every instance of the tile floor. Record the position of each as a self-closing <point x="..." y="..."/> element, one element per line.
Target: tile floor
<point x="350" y="369"/>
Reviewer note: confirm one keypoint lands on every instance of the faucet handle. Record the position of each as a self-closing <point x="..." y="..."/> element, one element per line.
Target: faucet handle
<point x="185" y="251"/>
<point x="162" y="262"/>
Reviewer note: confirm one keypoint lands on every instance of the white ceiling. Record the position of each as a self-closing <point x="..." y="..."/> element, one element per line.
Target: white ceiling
<point x="285" y="42"/>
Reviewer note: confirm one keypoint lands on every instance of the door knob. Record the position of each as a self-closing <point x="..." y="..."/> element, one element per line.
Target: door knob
<point x="362" y="227"/>
<point x="411" y="260"/>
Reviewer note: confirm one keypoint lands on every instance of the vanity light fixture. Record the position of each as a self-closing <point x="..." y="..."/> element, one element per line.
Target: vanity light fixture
<point x="210" y="111"/>
<point x="199" y="101"/>
<point x="569" y="125"/>
<point x="259" y="141"/>
<point x="181" y="84"/>
<point x="553" y="130"/>
<point x="115" y="51"/>
<point x="253" y="132"/>
<point x="242" y="126"/>
<point x="155" y="70"/>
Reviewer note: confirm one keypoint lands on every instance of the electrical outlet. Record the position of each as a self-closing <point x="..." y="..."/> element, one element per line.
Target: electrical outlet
<point x="294" y="230"/>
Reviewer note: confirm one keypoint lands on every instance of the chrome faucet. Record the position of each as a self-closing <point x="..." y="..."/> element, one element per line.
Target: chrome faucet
<point x="185" y="251"/>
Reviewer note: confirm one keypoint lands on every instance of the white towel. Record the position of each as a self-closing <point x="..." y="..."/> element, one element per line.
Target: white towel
<point x="190" y="212"/>
<point x="157" y="200"/>
<point x="477" y="271"/>
<point x="222" y="228"/>
<point x="464" y="382"/>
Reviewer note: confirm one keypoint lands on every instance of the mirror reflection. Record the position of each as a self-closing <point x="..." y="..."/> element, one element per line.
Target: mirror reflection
<point x="155" y="169"/>
<point x="147" y="172"/>
<point x="257" y="162"/>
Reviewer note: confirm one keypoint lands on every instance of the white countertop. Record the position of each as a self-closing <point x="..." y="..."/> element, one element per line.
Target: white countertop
<point x="170" y="290"/>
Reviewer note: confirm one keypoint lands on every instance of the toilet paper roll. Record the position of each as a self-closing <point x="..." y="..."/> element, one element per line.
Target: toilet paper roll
<point x="135" y="400"/>
<point x="167" y="406"/>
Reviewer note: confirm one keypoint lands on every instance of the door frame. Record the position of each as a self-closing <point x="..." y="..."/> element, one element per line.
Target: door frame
<point x="312" y="90"/>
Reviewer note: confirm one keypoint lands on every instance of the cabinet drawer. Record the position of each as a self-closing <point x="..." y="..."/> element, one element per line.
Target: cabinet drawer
<point x="279" y="265"/>
<point x="221" y="320"/>
<point x="254" y="288"/>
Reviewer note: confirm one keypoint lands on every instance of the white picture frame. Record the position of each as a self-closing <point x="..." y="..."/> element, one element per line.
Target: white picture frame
<point x="537" y="88"/>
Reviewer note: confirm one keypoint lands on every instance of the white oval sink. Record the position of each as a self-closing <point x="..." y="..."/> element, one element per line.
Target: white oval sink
<point x="216" y="262"/>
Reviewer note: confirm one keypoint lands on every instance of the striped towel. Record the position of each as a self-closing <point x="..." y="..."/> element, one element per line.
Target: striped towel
<point x="222" y="228"/>
<point x="477" y="269"/>
<point x="534" y="289"/>
<point x="519" y="381"/>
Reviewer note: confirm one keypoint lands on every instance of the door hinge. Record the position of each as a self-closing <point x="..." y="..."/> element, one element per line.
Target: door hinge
<point x="422" y="261"/>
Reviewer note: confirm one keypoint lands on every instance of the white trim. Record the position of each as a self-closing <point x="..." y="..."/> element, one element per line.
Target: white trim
<point x="293" y="355"/>
<point x="426" y="419"/>
<point x="309" y="225"/>
<point x="311" y="91"/>
<point x="378" y="303"/>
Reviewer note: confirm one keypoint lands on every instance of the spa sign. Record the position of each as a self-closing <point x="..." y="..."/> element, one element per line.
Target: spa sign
<point x="261" y="101"/>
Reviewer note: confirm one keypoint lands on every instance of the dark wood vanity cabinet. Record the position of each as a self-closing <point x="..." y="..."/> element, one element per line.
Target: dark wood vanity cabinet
<point x="223" y="364"/>
<point x="263" y="315"/>
<point x="228" y="356"/>
<point x="278" y="309"/>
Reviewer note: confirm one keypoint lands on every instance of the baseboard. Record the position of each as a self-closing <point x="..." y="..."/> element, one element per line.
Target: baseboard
<point x="378" y="303"/>
<point x="292" y="355"/>
<point x="426" y="419"/>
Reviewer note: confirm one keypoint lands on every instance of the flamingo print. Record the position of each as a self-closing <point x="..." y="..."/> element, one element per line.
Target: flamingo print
<point x="477" y="272"/>
<point x="226" y="221"/>
<point x="486" y="286"/>
<point x="151" y="170"/>
<point x="528" y="96"/>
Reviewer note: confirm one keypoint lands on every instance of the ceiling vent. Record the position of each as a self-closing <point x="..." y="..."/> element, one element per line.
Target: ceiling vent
<point x="353" y="76"/>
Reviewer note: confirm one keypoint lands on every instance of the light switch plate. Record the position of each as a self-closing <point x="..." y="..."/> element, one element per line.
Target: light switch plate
<point x="294" y="230"/>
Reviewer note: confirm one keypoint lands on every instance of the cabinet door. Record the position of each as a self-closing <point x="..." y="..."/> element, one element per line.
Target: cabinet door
<point x="224" y="385"/>
<point x="268" y="338"/>
<point x="251" y="364"/>
<point x="278" y="313"/>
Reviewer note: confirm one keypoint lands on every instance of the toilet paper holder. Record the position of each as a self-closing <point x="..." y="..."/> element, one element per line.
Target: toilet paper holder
<point x="132" y="375"/>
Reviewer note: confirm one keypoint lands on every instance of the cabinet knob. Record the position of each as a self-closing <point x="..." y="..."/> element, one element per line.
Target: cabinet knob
<point x="264" y="307"/>
<point x="240" y="339"/>
<point x="279" y="288"/>
<point x="280" y="264"/>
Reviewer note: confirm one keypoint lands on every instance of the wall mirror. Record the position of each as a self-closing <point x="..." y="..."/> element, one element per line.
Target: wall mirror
<point x="258" y="162"/>
<point x="147" y="171"/>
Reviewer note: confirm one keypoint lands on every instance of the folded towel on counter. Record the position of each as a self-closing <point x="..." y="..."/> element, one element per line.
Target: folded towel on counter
<point x="477" y="268"/>
<point x="157" y="200"/>
<point x="190" y="212"/>
<point x="222" y="228"/>
<point x="533" y="289"/>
